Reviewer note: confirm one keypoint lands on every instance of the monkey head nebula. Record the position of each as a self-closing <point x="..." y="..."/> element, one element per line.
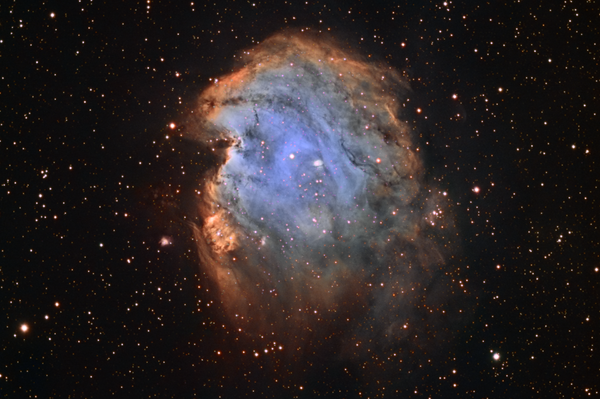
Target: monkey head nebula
<point x="317" y="221"/>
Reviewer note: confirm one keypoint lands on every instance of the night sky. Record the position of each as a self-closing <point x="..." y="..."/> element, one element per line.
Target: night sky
<point x="480" y="281"/>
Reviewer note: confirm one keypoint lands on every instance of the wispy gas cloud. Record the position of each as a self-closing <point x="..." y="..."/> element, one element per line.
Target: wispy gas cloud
<point x="318" y="222"/>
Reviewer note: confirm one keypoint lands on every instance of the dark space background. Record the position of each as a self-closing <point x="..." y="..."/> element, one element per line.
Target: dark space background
<point x="95" y="307"/>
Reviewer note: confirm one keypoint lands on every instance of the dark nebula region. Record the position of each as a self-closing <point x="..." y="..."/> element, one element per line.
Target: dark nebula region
<point x="318" y="224"/>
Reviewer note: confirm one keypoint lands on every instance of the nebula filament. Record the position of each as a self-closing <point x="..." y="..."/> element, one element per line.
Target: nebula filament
<point x="318" y="221"/>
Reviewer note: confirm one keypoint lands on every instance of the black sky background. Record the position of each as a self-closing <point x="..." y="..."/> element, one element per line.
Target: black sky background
<point x="87" y="96"/>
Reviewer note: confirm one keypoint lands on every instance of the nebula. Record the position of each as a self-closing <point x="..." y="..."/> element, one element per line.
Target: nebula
<point x="318" y="220"/>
